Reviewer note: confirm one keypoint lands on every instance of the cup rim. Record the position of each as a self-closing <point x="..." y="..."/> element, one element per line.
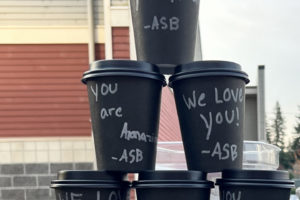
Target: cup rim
<point x="130" y="68"/>
<point x="173" y="184"/>
<point x="90" y="185"/>
<point x="174" y="175"/>
<point x="255" y="183"/>
<point x="266" y="178"/>
<point x="254" y="174"/>
<point x="208" y="68"/>
<point x="86" y="183"/>
<point x="130" y="73"/>
<point x="93" y="176"/>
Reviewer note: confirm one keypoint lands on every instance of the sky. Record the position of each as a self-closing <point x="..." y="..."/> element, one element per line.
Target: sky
<point x="258" y="32"/>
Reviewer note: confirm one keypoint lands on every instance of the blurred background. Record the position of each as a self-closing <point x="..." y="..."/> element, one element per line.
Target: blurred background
<point x="46" y="45"/>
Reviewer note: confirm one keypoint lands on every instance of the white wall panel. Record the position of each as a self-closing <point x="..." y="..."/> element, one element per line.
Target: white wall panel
<point x="48" y="12"/>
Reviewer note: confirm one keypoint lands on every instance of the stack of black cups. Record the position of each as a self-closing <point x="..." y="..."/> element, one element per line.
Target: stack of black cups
<point x="124" y="99"/>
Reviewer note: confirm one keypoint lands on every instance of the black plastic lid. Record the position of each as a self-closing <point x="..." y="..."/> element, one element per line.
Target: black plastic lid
<point x="172" y="175"/>
<point x="123" y="68"/>
<point x="89" y="175"/>
<point x="255" y="178"/>
<point x="255" y="174"/>
<point x="172" y="179"/>
<point x="89" y="179"/>
<point x="208" y="68"/>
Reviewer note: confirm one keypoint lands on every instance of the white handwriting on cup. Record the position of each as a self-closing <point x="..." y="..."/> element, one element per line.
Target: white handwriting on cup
<point x="227" y="195"/>
<point x="163" y="23"/>
<point x="130" y="156"/>
<point x="109" y="112"/>
<point x="223" y="152"/>
<point x="105" y="89"/>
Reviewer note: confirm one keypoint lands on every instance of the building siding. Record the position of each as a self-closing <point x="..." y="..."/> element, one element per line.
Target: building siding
<point x="169" y="129"/>
<point x="119" y="3"/>
<point x="250" y="130"/>
<point x="40" y="90"/>
<point x="48" y="12"/>
<point x="41" y="93"/>
<point x="120" y="42"/>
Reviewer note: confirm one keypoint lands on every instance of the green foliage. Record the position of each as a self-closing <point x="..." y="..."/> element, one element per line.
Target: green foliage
<point x="286" y="160"/>
<point x="276" y="135"/>
<point x="278" y="128"/>
<point x="297" y="127"/>
<point x="296" y="142"/>
<point x="268" y="133"/>
<point x="293" y="191"/>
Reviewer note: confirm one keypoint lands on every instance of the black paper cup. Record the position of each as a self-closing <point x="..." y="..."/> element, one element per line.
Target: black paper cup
<point x="254" y="184"/>
<point x="90" y="185"/>
<point x="210" y="101"/>
<point x="175" y="185"/>
<point x="165" y="30"/>
<point x="124" y="99"/>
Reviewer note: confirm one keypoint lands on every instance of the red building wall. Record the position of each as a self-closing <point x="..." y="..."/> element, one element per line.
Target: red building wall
<point x="40" y="90"/>
<point x="41" y="93"/>
<point x="120" y="43"/>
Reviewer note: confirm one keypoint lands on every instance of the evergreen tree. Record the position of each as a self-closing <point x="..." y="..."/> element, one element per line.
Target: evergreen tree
<point x="268" y="133"/>
<point x="296" y="142"/>
<point x="278" y="128"/>
<point x="297" y="127"/>
<point x="286" y="160"/>
<point x="277" y="136"/>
